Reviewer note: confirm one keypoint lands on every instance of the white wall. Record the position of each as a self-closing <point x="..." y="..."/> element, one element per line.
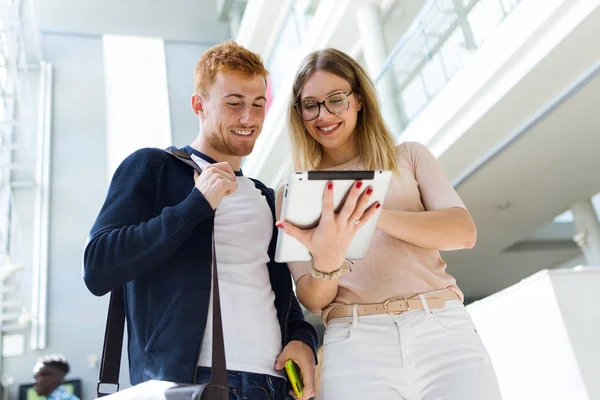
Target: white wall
<point x="181" y="61"/>
<point x="137" y="99"/>
<point x="535" y="335"/>
<point x="577" y="296"/>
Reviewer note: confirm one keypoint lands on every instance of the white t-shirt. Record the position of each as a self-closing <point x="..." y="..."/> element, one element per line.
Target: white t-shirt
<point x="243" y="231"/>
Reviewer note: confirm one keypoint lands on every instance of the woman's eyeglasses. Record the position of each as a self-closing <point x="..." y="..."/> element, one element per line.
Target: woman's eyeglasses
<point x="336" y="103"/>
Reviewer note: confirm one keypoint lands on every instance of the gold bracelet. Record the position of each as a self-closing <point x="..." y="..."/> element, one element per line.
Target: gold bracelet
<point x="328" y="276"/>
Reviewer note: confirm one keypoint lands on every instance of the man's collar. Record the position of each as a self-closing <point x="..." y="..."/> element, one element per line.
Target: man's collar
<point x="208" y="159"/>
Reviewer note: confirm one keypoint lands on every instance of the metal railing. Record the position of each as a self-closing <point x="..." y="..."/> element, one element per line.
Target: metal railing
<point x="439" y="42"/>
<point x="18" y="53"/>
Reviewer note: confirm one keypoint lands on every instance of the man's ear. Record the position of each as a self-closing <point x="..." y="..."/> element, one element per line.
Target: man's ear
<point x="198" y="105"/>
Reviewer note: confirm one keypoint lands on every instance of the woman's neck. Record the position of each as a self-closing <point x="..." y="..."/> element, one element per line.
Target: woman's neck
<point x="339" y="155"/>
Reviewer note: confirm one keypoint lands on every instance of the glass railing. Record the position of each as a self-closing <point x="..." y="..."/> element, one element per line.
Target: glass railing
<point x="437" y="45"/>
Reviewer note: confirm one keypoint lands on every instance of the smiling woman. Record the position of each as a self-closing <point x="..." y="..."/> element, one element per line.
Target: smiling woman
<point x="340" y="89"/>
<point x="384" y="335"/>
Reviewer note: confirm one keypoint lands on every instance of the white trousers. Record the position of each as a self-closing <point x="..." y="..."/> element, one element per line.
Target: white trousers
<point x="412" y="356"/>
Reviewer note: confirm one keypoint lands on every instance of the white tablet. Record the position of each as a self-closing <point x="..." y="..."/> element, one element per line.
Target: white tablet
<point x="303" y="202"/>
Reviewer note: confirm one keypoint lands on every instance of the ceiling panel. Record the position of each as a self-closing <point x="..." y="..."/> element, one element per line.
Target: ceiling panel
<point x="180" y="20"/>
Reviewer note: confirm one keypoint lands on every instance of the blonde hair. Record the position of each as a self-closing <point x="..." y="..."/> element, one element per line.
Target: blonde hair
<point x="226" y="57"/>
<point x="375" y="142"/>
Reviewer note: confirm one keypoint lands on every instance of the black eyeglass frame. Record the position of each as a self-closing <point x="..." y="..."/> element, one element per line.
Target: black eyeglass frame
<point x="323" y="103"/>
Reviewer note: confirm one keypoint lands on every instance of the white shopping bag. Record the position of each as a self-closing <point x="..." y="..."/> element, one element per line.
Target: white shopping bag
<point x="151" y="390"/>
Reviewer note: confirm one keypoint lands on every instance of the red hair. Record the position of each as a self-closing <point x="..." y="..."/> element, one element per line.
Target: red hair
<point x="226" y="57"/>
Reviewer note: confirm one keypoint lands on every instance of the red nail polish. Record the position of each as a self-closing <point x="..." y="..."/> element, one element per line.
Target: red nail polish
<point x="358" y="185"/>
<point x="369" y="190"/>
<point x="378" y="205"/>
<point x="280" y="225"/>
<point x="330" y="186"/>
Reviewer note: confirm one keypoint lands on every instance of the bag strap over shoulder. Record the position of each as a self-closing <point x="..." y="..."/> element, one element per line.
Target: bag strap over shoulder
<point x="110" y="365"/>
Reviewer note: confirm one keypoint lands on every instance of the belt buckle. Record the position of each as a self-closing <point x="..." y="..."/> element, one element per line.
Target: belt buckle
<point x="386" y="306"/>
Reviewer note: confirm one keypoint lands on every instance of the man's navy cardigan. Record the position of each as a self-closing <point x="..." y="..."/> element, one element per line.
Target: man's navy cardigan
<point x="153" y="237"/>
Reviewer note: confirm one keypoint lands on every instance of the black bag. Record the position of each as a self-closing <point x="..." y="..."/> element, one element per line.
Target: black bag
<point x="217" y="388"/>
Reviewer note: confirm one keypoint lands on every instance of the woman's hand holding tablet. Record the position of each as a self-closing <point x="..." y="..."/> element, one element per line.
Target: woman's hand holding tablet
<point x="329" y="215"/>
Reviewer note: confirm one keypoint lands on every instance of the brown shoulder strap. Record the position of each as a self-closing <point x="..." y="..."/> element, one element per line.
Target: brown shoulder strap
<point x="219" y="365"/>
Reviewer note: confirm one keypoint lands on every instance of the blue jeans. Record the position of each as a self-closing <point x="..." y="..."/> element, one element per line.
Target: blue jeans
<point x="249" y="386"/>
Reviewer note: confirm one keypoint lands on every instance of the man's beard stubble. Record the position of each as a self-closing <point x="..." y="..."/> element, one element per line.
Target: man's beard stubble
<point x="221" y="145"/>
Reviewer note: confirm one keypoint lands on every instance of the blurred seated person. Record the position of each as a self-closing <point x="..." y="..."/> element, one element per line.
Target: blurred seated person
<point x="49" y="374"/>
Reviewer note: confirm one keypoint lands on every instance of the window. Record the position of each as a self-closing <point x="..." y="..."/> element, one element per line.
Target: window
<point x="137" y="100"/>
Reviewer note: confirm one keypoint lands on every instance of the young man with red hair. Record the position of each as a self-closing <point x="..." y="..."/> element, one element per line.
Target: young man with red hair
<point x="153" y="238"/>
